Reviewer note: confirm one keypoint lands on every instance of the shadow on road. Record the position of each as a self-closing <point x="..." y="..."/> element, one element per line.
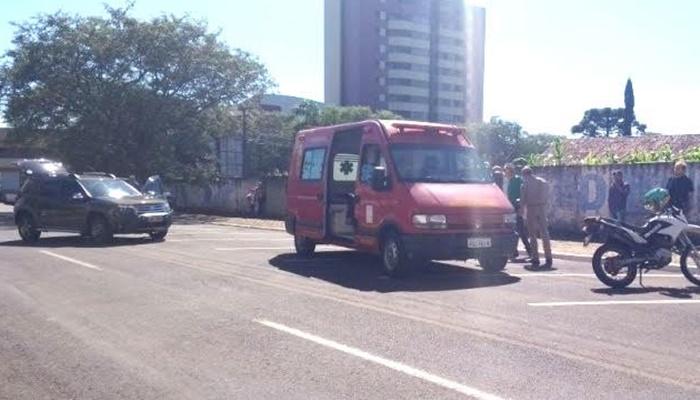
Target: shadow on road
<point x="196" y="219"/>
<point x="77" y="241"/>
<point x="677" y="293"/>
<point x="363" y="272"/>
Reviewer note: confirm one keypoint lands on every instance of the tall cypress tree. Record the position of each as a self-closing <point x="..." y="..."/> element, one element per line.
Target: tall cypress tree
<point x="629" y="109"/>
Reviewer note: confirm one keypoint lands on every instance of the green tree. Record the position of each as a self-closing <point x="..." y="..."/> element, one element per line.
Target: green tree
<point x="270" y="135"/>
<point x="629" y="117"/>
<point x="597" y="122"/>
<point x="125" y="95"/>
<point x="500" y="141"/>
<point x="610" y="122"/>
<point x="310" y="114"/>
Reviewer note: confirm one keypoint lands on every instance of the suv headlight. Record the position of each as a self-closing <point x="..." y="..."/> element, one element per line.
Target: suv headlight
<point x="510" y="219"/>
<point x="424" y="221"/>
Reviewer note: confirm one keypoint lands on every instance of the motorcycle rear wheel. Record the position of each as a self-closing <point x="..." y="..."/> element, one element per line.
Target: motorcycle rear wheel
<point x="615" y="281"/>
<point x="694" y="275"/>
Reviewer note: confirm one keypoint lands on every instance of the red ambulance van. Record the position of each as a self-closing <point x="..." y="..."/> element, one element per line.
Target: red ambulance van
<point x="408" y="191"/>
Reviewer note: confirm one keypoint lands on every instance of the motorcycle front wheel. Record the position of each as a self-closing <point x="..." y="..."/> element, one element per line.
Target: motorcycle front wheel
<point x="606" y="271"/>
<point x="692" y="271"/>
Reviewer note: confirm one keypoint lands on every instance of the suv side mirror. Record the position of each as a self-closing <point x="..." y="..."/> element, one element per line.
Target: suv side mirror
<point x="380" y="182"/>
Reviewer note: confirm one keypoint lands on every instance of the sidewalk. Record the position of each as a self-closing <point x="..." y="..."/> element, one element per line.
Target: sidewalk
<point x="561" y="249"/>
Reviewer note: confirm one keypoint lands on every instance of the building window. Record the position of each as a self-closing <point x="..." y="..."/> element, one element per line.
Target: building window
<point x="408" y="82"/>
<point x="408" y="34"/>
<point x="448" y="87"/>
<point x="451" y="41"/>
<point x="408" y="50"/>
<point x="451" y="103"/>
<point x="408" y="66"/>
<point x="451" y="56"/>
<point x="416" y="18"/>
<point x="405" y="98"/>
<point x="450" y="72"/>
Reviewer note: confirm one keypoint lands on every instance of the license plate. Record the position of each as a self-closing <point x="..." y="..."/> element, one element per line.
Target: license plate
<point x="478" y="243"/>
<point x="156" y="218"/>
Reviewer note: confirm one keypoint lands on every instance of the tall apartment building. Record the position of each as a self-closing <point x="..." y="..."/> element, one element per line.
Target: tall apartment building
<point x="423" y="59"/>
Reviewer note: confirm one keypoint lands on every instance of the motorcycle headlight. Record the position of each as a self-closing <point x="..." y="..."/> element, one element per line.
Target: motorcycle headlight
<point x="424" y="221"/>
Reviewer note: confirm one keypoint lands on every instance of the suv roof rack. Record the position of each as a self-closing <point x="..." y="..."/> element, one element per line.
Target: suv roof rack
<point x="96" y="173"/>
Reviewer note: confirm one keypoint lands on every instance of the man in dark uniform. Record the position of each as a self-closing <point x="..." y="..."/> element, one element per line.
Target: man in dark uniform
<point x="680" y="187"/>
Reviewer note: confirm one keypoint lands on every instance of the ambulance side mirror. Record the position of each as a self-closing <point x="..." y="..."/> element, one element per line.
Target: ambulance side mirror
<point x="380" y="181"/>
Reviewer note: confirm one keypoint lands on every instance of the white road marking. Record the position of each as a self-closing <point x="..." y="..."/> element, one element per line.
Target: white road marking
<point x="251" y="248"/>
<point x="583" y="275"/>
<point x="71" y="260"/>
<point x="611" y="303"/>
<point x="326" y="248"/>
<point x="395" y="365"/>
<point x="261" y="239"/>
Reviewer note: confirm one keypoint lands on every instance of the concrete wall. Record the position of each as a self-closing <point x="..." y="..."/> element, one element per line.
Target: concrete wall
<point x="229" y="198"/>
<point x="578" y="192"/>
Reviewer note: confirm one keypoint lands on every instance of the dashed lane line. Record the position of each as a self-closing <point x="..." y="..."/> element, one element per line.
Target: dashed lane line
<point x="395" y="365"/>
<point x="71" y="260"/>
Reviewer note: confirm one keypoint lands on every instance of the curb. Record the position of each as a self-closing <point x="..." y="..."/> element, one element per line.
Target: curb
<point x="557" y="255"/>
<point x="262" y="228"/>
<point x="561" y="256"/>
<point x="571" y="256"/>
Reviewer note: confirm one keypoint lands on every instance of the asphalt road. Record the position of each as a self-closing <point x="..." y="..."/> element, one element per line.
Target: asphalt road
<point x="227" y="313"/>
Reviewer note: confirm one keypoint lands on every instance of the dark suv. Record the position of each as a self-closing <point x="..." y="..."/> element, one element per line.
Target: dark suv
<point x="95" y="205"/>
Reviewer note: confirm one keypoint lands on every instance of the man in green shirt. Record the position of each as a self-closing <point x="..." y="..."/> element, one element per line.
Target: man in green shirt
<point x="515" y="184"/>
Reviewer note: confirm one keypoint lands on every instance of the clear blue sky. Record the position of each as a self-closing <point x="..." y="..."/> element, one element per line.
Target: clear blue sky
<point x="547" y="60"/>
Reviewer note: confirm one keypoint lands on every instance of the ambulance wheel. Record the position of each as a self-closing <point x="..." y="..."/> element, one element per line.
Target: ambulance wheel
<point x="304" y="246"/>
<point x="395" y="261"/>
<point x="493" y="263"/>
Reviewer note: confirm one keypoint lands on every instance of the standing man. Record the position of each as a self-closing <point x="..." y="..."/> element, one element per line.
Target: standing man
<point x="513" y="190"/>
<point x="680" y="187"/>
<point x="617" y="196"/>
<point x="535" y="199"/>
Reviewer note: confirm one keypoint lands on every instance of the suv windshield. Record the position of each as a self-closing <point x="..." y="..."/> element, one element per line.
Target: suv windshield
<point x="111" y="188"/>
<point x="444" y="163"/>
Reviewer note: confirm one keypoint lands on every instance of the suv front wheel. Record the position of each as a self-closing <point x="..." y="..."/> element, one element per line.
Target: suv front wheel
<point x="27" y="231"/>
<point x="158" y="236"/>
<point x="99" y="230"/>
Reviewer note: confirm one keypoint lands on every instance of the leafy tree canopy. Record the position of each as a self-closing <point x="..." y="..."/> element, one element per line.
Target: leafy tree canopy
<point x="606" y="122"/>
<point x="500" y="141"/>
<point x="310" y="114"/>
<point x="270" y="135"/>
<point x="124" y="95"/>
